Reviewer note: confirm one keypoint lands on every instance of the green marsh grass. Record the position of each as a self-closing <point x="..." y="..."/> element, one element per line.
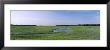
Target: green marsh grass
<point x="45" y="33"/>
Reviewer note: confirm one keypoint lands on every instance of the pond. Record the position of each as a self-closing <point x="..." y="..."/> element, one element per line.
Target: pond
<point x="62" y="30"/>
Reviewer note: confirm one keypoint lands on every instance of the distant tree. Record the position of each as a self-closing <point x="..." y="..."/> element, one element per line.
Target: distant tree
<point x="11" y="24"/>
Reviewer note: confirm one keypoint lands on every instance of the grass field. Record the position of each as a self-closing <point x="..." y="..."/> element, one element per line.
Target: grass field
<point x="45" y="33"/>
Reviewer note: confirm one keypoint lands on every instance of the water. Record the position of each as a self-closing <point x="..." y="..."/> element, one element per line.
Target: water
<point x="62" y="30"/>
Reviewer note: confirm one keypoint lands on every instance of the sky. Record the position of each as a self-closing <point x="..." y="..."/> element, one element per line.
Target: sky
<point x="55" y="17"/>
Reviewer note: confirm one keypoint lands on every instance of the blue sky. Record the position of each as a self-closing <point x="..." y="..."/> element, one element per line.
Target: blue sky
<point x="55" y="17"/>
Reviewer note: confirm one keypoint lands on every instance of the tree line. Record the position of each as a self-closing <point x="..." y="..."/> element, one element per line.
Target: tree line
<point x="81" y="25"/>
<point x="65" y="25"/>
